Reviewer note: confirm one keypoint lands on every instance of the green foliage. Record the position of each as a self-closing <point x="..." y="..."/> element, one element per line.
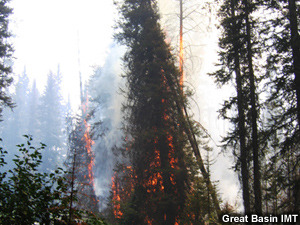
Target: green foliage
<point x="28" y="196"/>
<point x="239" y="64"/>
<point x="197" y="204"/>
<point x="50" y="116"/>
<point x="5" y="54"/>
<point x="39" y="115"/>
<point x="15" y="123"/>
<point x="270" y="29"/>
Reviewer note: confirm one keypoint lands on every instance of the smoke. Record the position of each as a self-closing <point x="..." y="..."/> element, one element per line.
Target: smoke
<point x="105" y="105"/>
<point x="200" y="43"/>
<point x="200" y="40"/>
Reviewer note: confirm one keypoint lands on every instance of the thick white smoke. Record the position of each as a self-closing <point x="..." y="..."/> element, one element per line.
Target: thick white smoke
<point x="106" y="102"/>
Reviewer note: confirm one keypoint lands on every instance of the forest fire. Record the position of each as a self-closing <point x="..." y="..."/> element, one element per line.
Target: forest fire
<point x="181" y="45"/>
<point x="121" y="192"/>
<point x="88" y="141"/>
<point x="154" y="182"/>
<point x="116" y="197"/>
<point x="156" y="190"/>
<point x="181" y="61"/>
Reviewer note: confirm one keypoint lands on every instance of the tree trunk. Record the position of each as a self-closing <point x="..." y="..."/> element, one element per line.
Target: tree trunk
<point x="255" y="146"/>
<point x="295" y="44"/>
<point x="72" y="189"/>
<point x="181" y="43"/>
<point x="189" y="131"/>
<point x="241" y="121"/>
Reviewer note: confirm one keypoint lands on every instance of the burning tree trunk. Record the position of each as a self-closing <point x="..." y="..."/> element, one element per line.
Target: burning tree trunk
<point x="186" y="124"/>
<point x="181" y="42"/>
<point x="190" y="132"/>
<point x="80" y="161"/>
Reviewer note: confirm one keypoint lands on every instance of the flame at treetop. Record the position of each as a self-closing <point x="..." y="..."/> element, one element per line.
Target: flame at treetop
<point x="181" y="61"/>
<point x="181" y="45"/>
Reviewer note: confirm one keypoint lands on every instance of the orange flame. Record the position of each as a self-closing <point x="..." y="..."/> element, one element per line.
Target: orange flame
<point x="121" y="193"/>
<point x="154" y="183"/>
<point x="116" y="198"/>
<point x="88" y="142"/>
<point x="149" y="221"/>
<point x="181" y="45"/>
<point x="181" y="61"/>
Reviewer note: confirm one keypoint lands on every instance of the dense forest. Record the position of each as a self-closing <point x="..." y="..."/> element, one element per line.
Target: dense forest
<point x="134" y="152"/>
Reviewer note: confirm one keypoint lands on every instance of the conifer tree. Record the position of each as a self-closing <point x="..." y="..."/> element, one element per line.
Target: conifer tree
<point x="16" y="120"/>
<point x="51" y="120"/>
<point x="79" y="163"/>
<point x="231" y="25"/>
<point x="33" y="102"/>
<point x="80" y="179"/>
<point x="237" y="65"/>
<point x="5" y="54"/>
<point x="199" y="204"/>
<point x="156" y="171"/>
<point x="281" y="32"/>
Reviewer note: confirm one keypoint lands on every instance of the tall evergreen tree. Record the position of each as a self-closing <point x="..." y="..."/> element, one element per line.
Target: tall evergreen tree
<point x="51" y="120"/>
<point x="238" y="51"/>
<point x="21" y="98"/>
<point x="282" y="42"/>
<point x="249" y="7"/>
<point x="231" y="25"/>
<point x="5" y="54"/>
<point x="15" y="121"/>
<point x="79" y="163"/>
<point x="33" y="103"/>
<point x="16" y="116"/>
<point x="156" y="171"/>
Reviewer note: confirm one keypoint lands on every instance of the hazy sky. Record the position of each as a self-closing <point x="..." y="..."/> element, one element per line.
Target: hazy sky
<point x="50" y="32"/>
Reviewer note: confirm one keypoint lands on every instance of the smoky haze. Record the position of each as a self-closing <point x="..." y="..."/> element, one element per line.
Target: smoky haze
<point x="200" y="55"/>
<point x="105" y="105"/>
<point x="104" y="84"/>
<point x="200" y="42"/>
